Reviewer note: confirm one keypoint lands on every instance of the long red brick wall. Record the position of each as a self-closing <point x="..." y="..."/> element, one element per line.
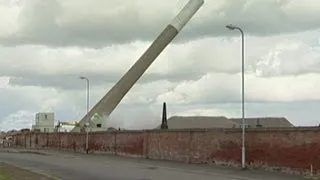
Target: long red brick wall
<point x="293" y="148"/>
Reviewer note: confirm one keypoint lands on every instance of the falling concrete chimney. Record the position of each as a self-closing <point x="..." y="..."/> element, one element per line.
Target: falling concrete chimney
<point x="164" y="123"/>
<point x="111" y="100"/>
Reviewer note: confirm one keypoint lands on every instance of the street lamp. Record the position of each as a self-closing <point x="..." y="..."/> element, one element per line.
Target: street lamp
<point x="232" y="27"/>
<point x="87" y="124"/>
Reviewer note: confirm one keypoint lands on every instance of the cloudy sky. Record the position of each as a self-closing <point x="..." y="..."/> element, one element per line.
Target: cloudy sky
<point x="46" y="44"/>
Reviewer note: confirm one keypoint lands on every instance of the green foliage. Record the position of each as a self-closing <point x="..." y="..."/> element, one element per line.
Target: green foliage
<point x="4" y="176"/>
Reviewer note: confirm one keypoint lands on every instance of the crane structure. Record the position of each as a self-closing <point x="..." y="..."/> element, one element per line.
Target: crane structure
<point x="112" y="98"/>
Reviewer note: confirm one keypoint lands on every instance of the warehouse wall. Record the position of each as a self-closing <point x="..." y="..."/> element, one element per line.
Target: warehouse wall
<point x="294" y="148"/>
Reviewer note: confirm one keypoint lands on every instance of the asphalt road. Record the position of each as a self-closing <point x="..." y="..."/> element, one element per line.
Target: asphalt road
<point x="68" y="166"/>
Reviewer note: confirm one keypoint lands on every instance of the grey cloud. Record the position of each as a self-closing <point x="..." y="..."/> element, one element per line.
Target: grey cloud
<point x="12" y="101"/>
<point x="48" y="22"/>
<point x="72" y="82"/>
<point x="287" y="61"/>
<point x="40" y="25"/>
<point x="16" y="121"/>
<point x="34" y="66"/>
<point x="258" y="18"/>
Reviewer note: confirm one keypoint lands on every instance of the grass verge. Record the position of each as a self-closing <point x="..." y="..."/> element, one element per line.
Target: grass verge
<point x="9" y="172"/>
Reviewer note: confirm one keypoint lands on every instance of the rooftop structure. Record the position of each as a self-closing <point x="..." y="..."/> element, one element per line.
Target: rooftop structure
<point x="264" y="122"/>
<point x="190" y="122"/>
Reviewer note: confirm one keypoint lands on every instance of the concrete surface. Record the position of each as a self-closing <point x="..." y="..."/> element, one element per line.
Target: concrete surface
<point x="72" y="166"/>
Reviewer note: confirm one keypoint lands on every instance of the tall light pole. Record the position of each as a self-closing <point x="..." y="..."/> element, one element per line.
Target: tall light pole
<point x="87" y="130"/>
<point x="232" y="27"/>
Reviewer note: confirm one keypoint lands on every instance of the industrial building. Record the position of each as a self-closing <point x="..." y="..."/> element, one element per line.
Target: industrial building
<point x="264" y="122"/>
<point x="190" y="122"/>
<point x="44" y="122"/>
<point x="95" y="124"/>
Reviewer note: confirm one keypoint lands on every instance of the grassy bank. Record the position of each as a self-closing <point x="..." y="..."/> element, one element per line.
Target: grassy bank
<point x="9" y="172"/>
<point x="4" y="177"/>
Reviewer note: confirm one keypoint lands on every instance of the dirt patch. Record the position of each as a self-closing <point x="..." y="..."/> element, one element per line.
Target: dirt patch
<point x="9" y="172"/>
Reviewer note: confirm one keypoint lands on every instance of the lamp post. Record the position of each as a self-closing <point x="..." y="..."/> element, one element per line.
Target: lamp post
<point x="87" y="124"/>
<point x="232" y="27"/>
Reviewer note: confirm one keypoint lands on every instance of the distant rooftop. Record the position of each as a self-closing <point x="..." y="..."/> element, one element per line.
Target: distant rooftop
<point x="190" y="122"/>
<point x="264" y="121"/>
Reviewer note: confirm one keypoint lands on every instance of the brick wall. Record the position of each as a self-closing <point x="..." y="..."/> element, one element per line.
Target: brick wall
<point x="294" y="148"/>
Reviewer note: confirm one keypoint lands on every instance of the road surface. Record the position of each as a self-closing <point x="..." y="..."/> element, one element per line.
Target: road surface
<point x="70" y="166"/>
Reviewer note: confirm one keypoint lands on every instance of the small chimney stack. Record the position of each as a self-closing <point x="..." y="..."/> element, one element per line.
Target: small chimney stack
<point x="164" y="123"/>
<point x="258" y="123"/>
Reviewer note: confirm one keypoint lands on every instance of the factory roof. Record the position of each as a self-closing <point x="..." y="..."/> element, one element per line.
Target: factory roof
<point x="189" y="122"/>
<point x="264" y="121"/>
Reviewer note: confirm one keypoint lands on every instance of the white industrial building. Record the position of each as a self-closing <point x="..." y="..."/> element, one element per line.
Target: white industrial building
<point x="96" y="123"/>
<point x="44" y="122"/>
